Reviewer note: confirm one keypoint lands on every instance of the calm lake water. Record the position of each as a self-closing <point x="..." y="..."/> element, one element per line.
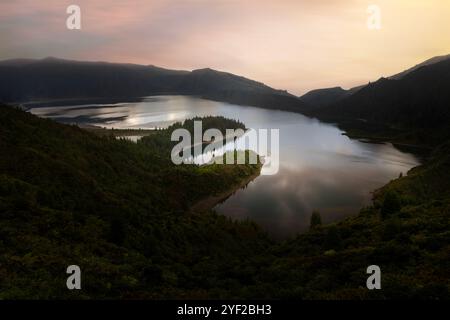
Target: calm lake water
<point x="320" y="169"/>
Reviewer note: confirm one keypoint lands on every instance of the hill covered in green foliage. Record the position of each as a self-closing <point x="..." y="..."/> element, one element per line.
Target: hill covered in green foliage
<point x="405" y="232"/>
<point x="121" y="211"/>
<point x="116" y="208"/>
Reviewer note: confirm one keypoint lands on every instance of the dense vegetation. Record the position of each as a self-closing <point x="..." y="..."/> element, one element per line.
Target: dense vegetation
<point x="405" y="232"/>
<point x="120" y="210"/>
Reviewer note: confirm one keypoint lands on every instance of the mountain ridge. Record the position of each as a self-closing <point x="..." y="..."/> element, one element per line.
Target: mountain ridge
<point x="416" y="105"/>
<point x="327" y="96"/>
<point x="23" y="80"/>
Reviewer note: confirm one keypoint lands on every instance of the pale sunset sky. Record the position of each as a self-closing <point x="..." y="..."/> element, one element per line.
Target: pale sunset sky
<point x="294" y="45"/>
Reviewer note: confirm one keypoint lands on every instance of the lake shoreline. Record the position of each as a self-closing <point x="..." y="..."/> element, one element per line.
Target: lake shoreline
<point x="316" y="153"/>
<point x="106" y="132"/>
<point x="208" y="203"/>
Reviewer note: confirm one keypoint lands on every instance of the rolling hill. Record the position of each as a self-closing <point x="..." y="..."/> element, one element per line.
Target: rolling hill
<point x="324" y="97"/>
<point x="25" y="80"/>
<point x="418" y="100"/>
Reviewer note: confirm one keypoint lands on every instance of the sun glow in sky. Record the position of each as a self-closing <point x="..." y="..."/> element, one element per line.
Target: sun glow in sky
<point x="295" y="45"/>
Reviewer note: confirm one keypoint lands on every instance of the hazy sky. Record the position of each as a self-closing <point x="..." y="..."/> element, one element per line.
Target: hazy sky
<point x="295" y="45"/>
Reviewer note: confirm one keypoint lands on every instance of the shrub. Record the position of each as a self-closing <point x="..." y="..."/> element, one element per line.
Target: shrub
<point x="391" y="204"/>
<point x="316" y="220"/>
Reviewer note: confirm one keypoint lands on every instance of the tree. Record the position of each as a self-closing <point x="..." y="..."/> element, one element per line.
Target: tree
<point x="117" y="231"/>
<point x="316" y="220"/>
<point x="391" y="204"/>
<point x="333" y="239"/>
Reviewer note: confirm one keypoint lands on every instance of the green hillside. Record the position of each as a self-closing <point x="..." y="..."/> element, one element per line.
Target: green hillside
<point x="116" y="208"/>
<point x="405" y="232"/>
<point x="121" y="211"/>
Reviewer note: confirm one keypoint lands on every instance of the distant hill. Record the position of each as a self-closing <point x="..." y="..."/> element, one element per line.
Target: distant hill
<point x="24" y="80"/>
<point x="419" y="100"/>
<point x="327" y="96"/>
<point x="323" y="97"/>
<point x="423" y="64"/>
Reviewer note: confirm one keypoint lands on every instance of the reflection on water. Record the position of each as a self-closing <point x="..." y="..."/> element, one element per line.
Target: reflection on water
<point x="319" y="167"/>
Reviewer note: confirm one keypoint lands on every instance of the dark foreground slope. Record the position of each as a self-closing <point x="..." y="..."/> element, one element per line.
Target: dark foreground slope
<point x="39" y="81"/>
<point x="121" y="212"/>
<point x="115" y="208"/>
<point x="406" y="232"/>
